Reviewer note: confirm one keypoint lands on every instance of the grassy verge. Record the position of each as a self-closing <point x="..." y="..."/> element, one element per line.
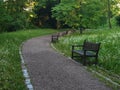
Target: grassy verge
<point x="109" y="56"/>
<point x="11" y="77"/>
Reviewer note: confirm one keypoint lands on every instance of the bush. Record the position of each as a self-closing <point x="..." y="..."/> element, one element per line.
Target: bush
<point x="12" y="23"/>
<point x="118" y="20"/>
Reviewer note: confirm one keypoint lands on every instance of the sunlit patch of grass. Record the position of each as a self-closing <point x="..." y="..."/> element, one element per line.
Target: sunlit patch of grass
<point x="11" y="77"/>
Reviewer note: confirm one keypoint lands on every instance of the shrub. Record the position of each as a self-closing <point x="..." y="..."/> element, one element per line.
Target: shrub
<point x="118" y="20"/>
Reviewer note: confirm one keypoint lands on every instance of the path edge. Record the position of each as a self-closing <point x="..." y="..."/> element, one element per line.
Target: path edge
<point x="95" y="73"/>
<point x="26" y="76"/>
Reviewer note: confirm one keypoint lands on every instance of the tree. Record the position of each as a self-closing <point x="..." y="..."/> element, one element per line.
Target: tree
<point x="15" y="8"/>
<point x="12" y="15"/>
<point x="5" y="19"/>
<point x="80" y="13"/>
<point x="109" y="14"/>
<point x="115" y="8"/>
<point x="43" y="13"/>
<point x="118" y="20"/>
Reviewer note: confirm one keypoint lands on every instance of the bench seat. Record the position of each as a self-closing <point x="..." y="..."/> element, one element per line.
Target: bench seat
<point x="88" y="53"/>
<point x="89" y="49"/>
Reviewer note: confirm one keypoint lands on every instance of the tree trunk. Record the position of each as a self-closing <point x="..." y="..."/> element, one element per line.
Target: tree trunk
<point x="109" y="15"/>
<point x="58" y="25"/>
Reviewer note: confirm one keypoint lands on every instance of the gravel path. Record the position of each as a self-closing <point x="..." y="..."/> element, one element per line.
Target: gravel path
<point x="50" y="70"/>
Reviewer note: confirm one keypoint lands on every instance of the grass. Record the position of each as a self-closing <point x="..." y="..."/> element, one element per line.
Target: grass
<point x="11" y="77"/>
<point x="109" y="55"/>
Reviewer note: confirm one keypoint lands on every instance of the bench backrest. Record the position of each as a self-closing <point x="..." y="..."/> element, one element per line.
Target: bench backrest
<point x="90" y="46"/>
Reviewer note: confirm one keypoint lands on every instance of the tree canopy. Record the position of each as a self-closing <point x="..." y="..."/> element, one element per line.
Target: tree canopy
<point x="20" y="14"/>
<point x="12" y="15"/>
<point x="81" y="13"/>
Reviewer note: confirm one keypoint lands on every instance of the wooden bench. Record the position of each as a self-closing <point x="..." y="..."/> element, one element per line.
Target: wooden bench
<point x="54" y="38"/>
<point x="89" y="49"/>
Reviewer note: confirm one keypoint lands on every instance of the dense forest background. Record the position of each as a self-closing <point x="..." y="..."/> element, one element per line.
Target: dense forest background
<point x="21" y="14"/>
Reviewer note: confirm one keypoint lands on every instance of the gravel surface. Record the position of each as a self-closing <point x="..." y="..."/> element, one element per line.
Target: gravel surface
<point x="50" y="70"/>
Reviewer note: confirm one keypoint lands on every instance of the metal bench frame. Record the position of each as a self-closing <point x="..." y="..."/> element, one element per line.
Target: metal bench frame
<point x="54" y="38"/>
<point x="89" y="49"/>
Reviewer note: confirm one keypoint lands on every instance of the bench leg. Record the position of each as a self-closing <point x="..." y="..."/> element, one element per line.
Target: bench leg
<point x="96" y="60"/>
<point x="84" y="60"/>
<point x="51" y="39"/>
<point x="72" y="55"/>
<point x="54" y="39"/>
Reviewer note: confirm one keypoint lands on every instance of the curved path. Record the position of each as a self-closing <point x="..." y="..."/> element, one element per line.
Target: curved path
<point x="50" y="70"/>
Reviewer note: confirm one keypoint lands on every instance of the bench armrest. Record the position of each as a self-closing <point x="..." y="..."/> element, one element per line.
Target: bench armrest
<point x="56" y="35"/>
<point x="74" y="46"/>
<point x="54" y="38"/>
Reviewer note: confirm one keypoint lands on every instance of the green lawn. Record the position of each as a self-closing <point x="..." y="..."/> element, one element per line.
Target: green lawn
<point x="11" y="77"/>
<point x="109" y="55"/>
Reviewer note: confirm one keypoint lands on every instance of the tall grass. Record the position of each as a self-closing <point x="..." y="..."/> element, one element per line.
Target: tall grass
<point x="11" y="77"/>
<point x="109" y="55"/>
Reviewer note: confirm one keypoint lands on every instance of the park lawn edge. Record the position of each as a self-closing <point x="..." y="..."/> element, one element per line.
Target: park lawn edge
<point x="115" y="84"/>
<point x="96" y="74"/>
<point x="7" y="42"/>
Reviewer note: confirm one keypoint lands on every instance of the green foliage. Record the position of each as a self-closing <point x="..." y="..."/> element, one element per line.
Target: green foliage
<point x="11" y="77"/>
<point x="118" y="20"/>
<point x="66" y="13"/>
<point x="9" y="23"/>
<point x="109" y="55"/>
<point x="109" y="52"/>
<point x="19" y="14"/>
<point x="2" y="15"/>
<point x="93" y="14"/>
<point x="12" y="15"/>
<point x="43" y="13"/>
<point x="115" y="8"/>
<point x="85" y="13"/>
